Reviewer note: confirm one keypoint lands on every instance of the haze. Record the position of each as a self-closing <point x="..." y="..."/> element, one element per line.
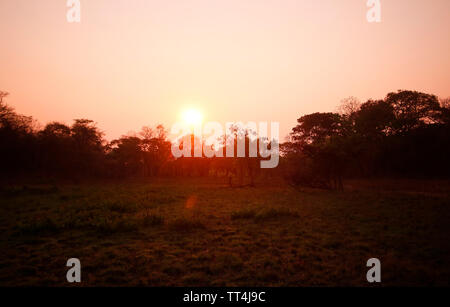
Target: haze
<point x="140" y="62"/>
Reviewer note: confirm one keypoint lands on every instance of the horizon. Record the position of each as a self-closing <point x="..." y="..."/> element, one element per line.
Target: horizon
<point x="126" y="66"/>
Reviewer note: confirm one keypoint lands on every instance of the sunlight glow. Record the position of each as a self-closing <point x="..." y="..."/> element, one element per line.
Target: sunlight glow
<point x="192" y="117"/>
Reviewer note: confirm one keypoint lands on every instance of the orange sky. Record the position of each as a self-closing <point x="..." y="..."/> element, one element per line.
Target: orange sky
<point x="131" y="63"/>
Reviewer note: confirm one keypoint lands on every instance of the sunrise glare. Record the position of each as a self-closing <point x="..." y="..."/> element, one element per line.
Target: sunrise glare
<point x="192" y="117"/>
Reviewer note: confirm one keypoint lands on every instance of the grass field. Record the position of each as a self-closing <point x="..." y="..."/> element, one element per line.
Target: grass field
<point x="203" y="233"/>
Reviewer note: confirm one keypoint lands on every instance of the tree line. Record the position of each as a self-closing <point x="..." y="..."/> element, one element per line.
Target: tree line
<point x="80" y="152"/>
<point x="405" y="134"/>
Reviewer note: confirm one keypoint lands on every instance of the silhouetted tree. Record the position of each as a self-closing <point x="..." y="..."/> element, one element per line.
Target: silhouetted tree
<point x="407" y="133"/>
<point x="17" y="141"/>
<point x="412" y="109"/>
<point x="56" y="149"/>
<point x="317" y="142"/>
<point x="128" y="156"/>
<point x="88" y="148"/>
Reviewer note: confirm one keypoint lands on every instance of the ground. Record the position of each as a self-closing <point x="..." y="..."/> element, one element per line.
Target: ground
<point x="200" y="232"/>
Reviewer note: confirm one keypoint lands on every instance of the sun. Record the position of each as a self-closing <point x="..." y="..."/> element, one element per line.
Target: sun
<point x="192" y="117"/>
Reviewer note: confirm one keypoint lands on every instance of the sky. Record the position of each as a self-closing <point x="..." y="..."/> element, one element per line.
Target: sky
<point x="134" y="63"/>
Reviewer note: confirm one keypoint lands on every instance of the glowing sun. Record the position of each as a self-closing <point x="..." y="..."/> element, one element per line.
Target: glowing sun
<point x="192" y="117"/>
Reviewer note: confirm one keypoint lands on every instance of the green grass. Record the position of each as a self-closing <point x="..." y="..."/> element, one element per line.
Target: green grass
<point x="203" y="233"/>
